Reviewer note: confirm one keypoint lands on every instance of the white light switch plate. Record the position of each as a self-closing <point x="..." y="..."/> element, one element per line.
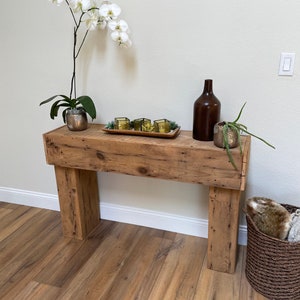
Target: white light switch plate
<point x="287" y="61"/>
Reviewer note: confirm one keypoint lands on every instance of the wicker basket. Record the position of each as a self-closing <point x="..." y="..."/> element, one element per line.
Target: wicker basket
<point x="273" y="265"/>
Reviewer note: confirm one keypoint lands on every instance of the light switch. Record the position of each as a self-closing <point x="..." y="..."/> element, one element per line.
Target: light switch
<point x="287" y="64"/>
<point x="286" y="67"/>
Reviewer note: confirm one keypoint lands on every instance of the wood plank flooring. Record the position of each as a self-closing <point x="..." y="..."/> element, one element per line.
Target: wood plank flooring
<point x="117" y="262"/>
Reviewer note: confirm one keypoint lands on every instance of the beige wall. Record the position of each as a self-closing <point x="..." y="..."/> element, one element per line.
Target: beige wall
<point x="176" y="45"/>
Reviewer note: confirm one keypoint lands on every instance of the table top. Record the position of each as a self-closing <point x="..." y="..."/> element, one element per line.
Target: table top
<point x="181" y="158"/>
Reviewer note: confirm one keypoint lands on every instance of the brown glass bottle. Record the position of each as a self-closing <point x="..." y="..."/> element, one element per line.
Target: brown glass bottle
<point x="206" y="113"/>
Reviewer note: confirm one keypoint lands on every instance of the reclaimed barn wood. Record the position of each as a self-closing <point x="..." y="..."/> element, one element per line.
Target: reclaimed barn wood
<point x="223" y="226"/>
<point x="182" y="159"/>
<point x="77" y="156"/>
<point x="79" y="189"/>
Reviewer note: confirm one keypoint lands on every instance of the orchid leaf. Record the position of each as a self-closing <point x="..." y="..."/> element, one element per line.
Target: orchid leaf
<point x="84" y="101"/>
<point x="53" y="97"/>
<point x="55" y="107"/>
<point x="64" y="114"/>
<point x="88" y="105"/>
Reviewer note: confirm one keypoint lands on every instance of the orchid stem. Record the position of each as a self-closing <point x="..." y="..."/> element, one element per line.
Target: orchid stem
<point x="83" y="40"/>
<point x="73" y="80"/>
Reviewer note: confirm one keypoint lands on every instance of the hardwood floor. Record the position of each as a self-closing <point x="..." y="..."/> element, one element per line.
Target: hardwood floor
<point x="117" y="262"/>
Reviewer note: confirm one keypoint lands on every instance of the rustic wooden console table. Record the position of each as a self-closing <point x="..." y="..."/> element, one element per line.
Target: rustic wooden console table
<point x="77" y="156"/>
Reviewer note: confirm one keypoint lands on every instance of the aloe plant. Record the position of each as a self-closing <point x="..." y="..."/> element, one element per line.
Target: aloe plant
<point x="239" y="129"/>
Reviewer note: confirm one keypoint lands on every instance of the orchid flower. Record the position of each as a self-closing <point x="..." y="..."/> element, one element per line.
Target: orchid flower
<point x="81" y="5"/>
<point x="118" y="26"/>
<point x="119" y="33"/>
<point x="93" y="19"/>
<point x="102" y="23"/>
<point x="109" y="11"/>
<point x="121" y="38"/>
<point x="94" y="16"/>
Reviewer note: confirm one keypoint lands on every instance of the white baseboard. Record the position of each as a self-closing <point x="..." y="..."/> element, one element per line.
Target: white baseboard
<point x="161" y="220"/>
<point x="154" y="219"/>
<point x="29" y="198"/>
<point x="120" y="213"/>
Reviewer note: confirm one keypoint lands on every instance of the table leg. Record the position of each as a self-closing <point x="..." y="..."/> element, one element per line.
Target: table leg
<point x="223" y="227"/>
<point x="78" y="200"/>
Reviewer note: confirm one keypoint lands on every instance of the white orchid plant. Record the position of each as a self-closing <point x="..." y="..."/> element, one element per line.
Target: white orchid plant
<point x="94" y="16"/>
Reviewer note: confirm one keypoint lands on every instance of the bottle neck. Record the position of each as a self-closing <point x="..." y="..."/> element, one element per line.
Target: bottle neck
<point x="208" y="86"/>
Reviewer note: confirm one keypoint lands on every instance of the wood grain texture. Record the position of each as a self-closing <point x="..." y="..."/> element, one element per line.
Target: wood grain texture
<point x="79" y="201"/>
<point x="116" y="262"/>
<point x="223" y="229"/>
<point x="181" y="159"/>
<point x="77" y="156"/>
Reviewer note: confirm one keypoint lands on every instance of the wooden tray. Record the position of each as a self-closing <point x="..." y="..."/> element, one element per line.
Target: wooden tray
<point x="170" y="135"/>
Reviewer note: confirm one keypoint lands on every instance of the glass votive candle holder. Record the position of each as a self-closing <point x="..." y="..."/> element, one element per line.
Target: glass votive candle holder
<point x="146" y="125"/>
<point x="162" y="126"/>
<point x="138" y="123"/>
<point x="122" y="123"/>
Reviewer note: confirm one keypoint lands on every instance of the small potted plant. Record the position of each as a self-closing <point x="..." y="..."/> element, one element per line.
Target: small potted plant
<point x="227" y="135"/>
<point x="75" y="110"/>
<point x="93" y="16"/>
